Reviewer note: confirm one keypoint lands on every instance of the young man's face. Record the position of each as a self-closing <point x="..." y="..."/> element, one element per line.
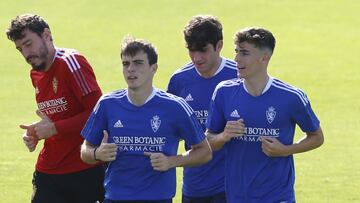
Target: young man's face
<point x="33" y="48"/>
<point x="206" y="61"/>
<point x="137" y="71"/>
<point x="250" y="60"/>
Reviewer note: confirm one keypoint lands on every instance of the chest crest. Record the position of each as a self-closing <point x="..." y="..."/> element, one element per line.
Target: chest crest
<point x="270" y="114"/>
<point x="155" y="123"/>
<point x="55" y="84"/>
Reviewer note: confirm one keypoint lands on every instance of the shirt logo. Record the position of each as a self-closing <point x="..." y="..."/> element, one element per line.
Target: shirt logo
<point x="55" y="83"/>
<point x="270" y="114"/>
<point x="118" y="124"/>
<point x="189" y="98"/>
<point x="235" y="114"/>
<point x="155" y="123"/>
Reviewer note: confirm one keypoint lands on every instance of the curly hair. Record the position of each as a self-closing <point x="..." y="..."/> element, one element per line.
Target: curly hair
<point x="23" y="22"/>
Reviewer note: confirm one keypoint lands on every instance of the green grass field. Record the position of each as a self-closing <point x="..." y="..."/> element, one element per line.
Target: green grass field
<point x="317" y="50"/>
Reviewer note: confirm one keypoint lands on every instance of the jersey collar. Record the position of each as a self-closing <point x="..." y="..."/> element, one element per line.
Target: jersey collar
<point x="222" y="65"/>
<point x="148" y="99"/>
<point x="266" y="88"/>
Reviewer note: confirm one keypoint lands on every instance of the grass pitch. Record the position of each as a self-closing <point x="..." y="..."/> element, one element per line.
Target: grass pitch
<point x="317" y="50"/>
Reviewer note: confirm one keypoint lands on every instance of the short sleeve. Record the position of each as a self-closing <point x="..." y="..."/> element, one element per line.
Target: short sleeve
<point x="216" y="121"/>
<point x="96" y="123"/>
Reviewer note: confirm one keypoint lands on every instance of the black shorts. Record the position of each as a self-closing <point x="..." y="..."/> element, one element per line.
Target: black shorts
<point x="138" y="201"/>
<point x="80" y="187"/>
<point x="216" y="198"/>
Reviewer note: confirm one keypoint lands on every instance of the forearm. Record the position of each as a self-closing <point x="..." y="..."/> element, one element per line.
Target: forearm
<point x="199" y="154"/>
<point x="74" y="124"/>
<point x="87" y="153"/>
<point x="216" y="141"/>
<point x="310" y="141"/>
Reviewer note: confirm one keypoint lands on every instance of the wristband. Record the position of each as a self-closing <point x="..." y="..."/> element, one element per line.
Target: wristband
<point x="95" y="154"/>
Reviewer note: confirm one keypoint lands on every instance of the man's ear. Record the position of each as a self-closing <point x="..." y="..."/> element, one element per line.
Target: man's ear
<point x="47" y="34"/>
<point x="219" y="45"/>
<point x="266" y="57"/>
<point x="154" y="67"/>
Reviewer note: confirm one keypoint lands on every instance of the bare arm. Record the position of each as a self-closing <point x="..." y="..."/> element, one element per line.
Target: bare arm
<point x="87" y="153"/>
<point x="273" y="147"/>
<point x="232" y="129"/>
<point x="105" y="152"/>
<point x="197" y="155"/>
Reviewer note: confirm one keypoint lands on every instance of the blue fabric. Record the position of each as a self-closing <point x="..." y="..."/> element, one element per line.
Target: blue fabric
<point x="156" y="126"/>
<point x="208" y="179"/>
<point x="252" y="176"/>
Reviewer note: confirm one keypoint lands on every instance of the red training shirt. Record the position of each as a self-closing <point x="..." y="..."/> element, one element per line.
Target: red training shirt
<point x="66" y="93"/>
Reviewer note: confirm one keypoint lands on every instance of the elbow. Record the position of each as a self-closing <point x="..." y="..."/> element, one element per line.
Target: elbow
<point x="320" y="141"/>
<point x="320" y="138"/>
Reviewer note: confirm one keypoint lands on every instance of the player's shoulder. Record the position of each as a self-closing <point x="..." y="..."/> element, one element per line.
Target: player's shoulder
<point x="227" y="85"/>
<point x="229" y="64"/>
<point x="167" y="96"/>
<point x="117" y="94"/>
<point x="71" y="58"/>
<point x="230" y="83"/>
<point x="174" y="102"/>
<point x="64" y="53"/>
<point x="289" y="90"/>
<point x="184" y="69"/>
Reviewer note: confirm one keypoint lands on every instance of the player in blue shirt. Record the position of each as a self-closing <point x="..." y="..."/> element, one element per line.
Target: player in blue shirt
<point x="254" y="119"/>
<point x="137" y="131"/>
<point x="195" y="82"/>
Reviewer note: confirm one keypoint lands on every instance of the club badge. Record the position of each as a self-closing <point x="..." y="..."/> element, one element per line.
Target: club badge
<point x="270" y="114"/>
<point x="55" y="84"/>
<point x="155" y="123"/>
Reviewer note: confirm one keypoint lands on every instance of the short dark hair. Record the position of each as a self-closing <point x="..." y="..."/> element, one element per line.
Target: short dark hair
<point x="132" y="46"/>
<point x="260" y="37"/>
<point x="32" y="22"/>
<point x="201" y="30"/>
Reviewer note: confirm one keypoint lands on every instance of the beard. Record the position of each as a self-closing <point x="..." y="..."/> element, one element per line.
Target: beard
<point x="42" y="56"/>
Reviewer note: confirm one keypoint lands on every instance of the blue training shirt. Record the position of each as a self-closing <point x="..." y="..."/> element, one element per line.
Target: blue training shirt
<point x="207" y="179"/>
<point x="252" y="176"/>
<point x="156" y="126"/>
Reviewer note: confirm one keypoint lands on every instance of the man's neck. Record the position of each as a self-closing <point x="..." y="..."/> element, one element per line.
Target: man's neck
<point x="256" y="86"/>
<point x="213" y="69"/>
<point x="51" y="57"/>
<point x="138" y="96"/>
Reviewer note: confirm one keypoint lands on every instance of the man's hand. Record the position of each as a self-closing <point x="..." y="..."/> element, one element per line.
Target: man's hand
<point x="272" y="147"/>
<point x="106" y="151"/>
<point x="45" y="127"/>
<point x="30" y="138"/>
<point x="159" y="161"/>
<point x="233" y="129"/>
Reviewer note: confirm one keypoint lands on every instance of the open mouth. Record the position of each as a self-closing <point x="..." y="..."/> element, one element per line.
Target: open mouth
<point x="131" y="77"/>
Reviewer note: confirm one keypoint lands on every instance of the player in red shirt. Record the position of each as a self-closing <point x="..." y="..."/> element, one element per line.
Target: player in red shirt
<point x="66" y="92"/>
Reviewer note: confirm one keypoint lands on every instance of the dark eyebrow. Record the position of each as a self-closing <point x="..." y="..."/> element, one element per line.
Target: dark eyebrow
<point x="138" y="60"/>
<point x="242" y="51"/>
<point x="18" y="48"/>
